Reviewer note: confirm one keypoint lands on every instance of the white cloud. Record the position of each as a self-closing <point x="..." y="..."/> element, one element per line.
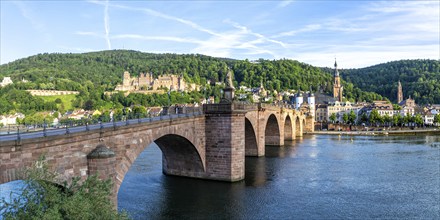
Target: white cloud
<point x="285" y="3"/>
<point x="158" y="38"/>
<point x="78" y="49"/>
<point x="162" y="15"/>
<point x="107" y="25"/>
<point x="36" y="23"/>
<point x="89" y="33"/>
<point x="307" y="28"/>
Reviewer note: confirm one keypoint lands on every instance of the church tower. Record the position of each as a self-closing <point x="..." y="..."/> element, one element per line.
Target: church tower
<point x="399" y="93"/>
<point x="337" y="87"/>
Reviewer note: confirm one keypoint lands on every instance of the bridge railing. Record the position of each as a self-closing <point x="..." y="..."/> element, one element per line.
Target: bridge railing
<point x="229" y="107"/>
<point x="277" y="105"/>
<point x="44" y="130"/>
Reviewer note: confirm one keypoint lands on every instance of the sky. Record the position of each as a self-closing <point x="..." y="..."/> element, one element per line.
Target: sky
<point x="356" y="33"/>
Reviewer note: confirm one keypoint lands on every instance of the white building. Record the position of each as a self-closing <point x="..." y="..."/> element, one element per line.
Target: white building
<point x="428" y="118"/>
<point x="341" y="108"/>
<point x="10" y="119"/>
<point x="6" y="81"/>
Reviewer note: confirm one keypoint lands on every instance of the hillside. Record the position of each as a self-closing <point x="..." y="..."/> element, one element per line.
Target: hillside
<point x="93" y="73"/>
<point x="420" y="79"/>
<point x="106" y="68"/>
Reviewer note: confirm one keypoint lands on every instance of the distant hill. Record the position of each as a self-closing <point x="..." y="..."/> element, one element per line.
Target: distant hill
<point x="104" y="70"/>
<point x="420" y="79"/>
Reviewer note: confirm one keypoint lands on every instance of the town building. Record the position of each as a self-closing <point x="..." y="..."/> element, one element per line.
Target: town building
<point x="10" y="119"/>
<point x="6" y="81"/>
<point x="146" y="81"/>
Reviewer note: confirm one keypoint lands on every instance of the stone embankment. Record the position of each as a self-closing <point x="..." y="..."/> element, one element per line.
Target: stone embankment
<point x="435" y="131"/>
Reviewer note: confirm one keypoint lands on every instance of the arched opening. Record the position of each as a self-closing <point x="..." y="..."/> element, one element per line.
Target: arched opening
<point x="272" y="132"/>
<point x="288" y="129"/>
<point x="304" y="125"/>
<point x="298" y="127"/>
<point x="179" y="156"/>
<point x="250" y="143"/>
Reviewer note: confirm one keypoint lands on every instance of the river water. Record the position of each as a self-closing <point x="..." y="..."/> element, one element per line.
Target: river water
<point x="317" y="177"/>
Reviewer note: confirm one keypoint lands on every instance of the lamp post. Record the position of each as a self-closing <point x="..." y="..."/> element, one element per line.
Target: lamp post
<point x="44" y="128"/>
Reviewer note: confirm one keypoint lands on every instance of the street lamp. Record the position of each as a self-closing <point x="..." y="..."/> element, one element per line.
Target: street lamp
<point x="44" y="128"/>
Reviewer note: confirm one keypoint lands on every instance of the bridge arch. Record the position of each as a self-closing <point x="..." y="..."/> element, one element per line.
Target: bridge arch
<point x="182" y="152"/>
<point x="272" y="131"/>
<point x="298" y="127"/>
<point x="179" y="155"/>
<point x="250" y="143"/>
<point x="288" y="129"/>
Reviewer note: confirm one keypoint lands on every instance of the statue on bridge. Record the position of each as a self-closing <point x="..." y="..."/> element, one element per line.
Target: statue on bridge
<point x="229" y="83"/>
<point x="228" y="91"/>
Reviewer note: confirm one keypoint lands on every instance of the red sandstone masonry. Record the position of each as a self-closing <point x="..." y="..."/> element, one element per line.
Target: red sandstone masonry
<point x="215" y="147"/>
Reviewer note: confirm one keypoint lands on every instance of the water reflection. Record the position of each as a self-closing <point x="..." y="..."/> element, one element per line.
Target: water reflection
<point x="316" y="177"/>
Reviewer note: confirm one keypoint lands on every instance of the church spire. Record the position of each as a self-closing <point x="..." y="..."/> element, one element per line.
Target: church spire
<point x="336" y="69"/>
<point x="337" y="87"/>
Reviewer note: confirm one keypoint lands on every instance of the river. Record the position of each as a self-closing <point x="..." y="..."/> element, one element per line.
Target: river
<point x="317" y="177"/>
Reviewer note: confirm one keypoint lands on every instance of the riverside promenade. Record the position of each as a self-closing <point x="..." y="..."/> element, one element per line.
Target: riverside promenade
<point x="432" y="131"/>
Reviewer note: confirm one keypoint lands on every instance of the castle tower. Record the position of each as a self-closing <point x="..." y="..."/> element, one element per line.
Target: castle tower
<point x="337" y="87"/>
<point x="126" y="79"/>
<point x="399" y="93"/>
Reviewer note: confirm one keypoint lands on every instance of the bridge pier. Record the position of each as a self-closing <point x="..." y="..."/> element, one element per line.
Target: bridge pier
<point x="102" y="162"/>
<point x="225" y="149"/>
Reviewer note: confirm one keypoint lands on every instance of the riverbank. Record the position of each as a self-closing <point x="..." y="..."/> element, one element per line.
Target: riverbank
<point x="434" y="131"/>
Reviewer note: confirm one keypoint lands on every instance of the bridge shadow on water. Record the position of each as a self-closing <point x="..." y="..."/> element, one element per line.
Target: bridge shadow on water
<point x="171" y="197"/>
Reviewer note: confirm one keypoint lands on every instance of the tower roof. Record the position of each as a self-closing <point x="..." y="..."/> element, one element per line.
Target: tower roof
<point x="336" y="69"/>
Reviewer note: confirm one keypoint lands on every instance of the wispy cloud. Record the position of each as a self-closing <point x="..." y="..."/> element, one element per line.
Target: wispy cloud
<point x="36" y="23"/>
<point x="246" y="30"/>
<point x="158" y="38"/>
<point x="78" y="49"/>
<point x="219" y="44"/>
<point x="89" y="33"/>
<point x="283" y="4"/>
<point x="307" y="28"/>
<point x="162" y="15"/>
<point x="107" y="25"/>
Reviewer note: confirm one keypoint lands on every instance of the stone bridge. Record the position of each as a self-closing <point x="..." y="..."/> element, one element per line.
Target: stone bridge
<point x="209" y="145"/>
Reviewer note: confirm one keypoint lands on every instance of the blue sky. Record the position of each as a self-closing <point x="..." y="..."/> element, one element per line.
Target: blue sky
<point x="357" y="33"/>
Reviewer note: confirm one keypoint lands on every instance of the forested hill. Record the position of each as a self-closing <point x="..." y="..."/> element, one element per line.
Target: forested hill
<point x="104" y="69"/>
<point x="420" y="79"/>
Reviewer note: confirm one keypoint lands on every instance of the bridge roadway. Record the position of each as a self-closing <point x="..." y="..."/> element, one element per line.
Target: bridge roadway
<point x="75" y="129"/>
<point x="209" y="143"/>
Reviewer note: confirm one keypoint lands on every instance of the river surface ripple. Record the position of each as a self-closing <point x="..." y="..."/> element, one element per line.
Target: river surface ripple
<point x="317" y="177"/>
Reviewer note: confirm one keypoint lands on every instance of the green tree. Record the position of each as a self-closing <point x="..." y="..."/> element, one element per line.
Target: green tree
<point x="345" y="118"/>
<point x="352" y="117"/>
<point x="374" y="117"/>
<point x="418" y="119"/>
<point x="437" y="118"/>
<point x="396" y="119"/>
<point x="333" y="117"/>
<point x="42" y="198"/>
<point x="387" y="119"/>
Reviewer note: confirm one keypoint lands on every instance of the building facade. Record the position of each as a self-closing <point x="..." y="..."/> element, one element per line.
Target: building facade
<point x="146" y="81"/>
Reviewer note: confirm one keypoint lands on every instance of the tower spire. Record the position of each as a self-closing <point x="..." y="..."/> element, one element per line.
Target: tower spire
<point x="336" y="69"/>
<point x="337" y="87"/>
<point x="399" y="93"/>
